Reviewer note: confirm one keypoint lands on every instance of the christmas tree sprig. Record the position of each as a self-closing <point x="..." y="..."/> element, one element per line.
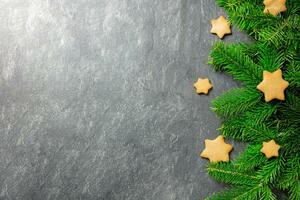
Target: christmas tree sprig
<point x="276" y="30"/>
<point x="247" y="116"/>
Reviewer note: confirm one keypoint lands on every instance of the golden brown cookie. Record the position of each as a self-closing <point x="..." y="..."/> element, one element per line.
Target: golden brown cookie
<point x="270" y="149"/>
<point x="273" y="85"/>
<point x="216" y="150"/>
<point x="202" y="86"/>
<point x="220" y="27"/>
<point x="274" y="7"/>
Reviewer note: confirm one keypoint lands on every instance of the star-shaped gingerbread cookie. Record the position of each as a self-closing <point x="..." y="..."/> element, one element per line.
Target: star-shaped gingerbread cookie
<point x="220" y="27"/>
<point x="273" y="85"/>
<point x="274" y="7"/>
<point x="216" y="150"/>
<point x="270" y="149"/>
<point x="202" y="86"/>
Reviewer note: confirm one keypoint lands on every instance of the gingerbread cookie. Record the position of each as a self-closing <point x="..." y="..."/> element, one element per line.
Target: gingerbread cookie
<point x="270" y="149"/>
<point x="220" y="27"/>
<point x="216" y="150"/>
<point x="273" y="85"/>
<point x="274" y="7"/>
<point x="202" y="86"/>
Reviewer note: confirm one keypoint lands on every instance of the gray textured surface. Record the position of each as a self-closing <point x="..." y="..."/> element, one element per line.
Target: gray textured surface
<point x="96" y="99"/>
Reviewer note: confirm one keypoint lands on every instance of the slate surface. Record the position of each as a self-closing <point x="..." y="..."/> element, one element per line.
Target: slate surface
<point x="97" y="102"/>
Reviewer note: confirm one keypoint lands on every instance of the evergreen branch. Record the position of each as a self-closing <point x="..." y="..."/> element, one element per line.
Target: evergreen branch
<point x="251" y="50"/>
<point x="232" y="129"/>
<point x="293" y="75"/>
<point x="246" y="116"/>
<point x="261" y="113"/>
<point x="269" y="172"/>
<point x="293" y="7"/>
<point x="293" y="78"/>
<point x="228" y="173"/>
<point x="235" y="102"/>
<point x="257" y="133"/>
<point x="229" y="58"/>
<point x="294" y="191"/>
<point x="281" y="34"/>
<point x="268" y="57"/>
<point x="290" y="140"/>
<point x="271" y="59"/>
<point x="248" y="16"/>
<point x="248" y="131"/>
<point x="291" y="173"/>
<point x="251" y="158"/>
<point x="258" y="191"/>
<point x="290" y="110"/>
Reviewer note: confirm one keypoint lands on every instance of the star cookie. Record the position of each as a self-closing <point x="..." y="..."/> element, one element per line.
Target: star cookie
<point x="216" y="150"/>
<point x="270" y="149"/>
<point x="273" y="85"/>
<point x="202" y="86"/>
<point x="274" y="7"/>
<point x="220" y="27"/>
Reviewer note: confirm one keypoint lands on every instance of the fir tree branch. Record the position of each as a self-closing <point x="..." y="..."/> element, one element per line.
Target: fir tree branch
<point x="293" y="75"/>
<point x="227" y="173"/>
<point x="246" y="116"/>
<point x="247" y="131"/>
<point x="294" y="191"/>
<point x="249" y="16"/>
<point x="229" y="58"/>
<point x="235" y="102"/>
<point x="271" y="59"/>
<point x="258" y="191"/>
<point x="269" y="172"/>
<point x="281" y="34"/>
<point x="251" y="158"/>
<point x="293" y="7"/>
<point x="290" y="173"/>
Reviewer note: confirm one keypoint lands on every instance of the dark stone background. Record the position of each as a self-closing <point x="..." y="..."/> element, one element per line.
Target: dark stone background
<point x="97" y="99"/>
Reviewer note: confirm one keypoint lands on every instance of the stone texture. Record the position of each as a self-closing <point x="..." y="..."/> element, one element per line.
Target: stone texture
<point x="97" y="99"/>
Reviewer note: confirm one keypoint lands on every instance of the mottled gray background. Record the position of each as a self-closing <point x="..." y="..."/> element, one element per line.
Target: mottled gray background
<point x="97" y="99"/>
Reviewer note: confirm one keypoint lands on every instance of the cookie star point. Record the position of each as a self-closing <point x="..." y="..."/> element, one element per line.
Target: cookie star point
<point x="273" y="85"/>
<point x="274" y="7"/>
<point x="202" y="86"/>
<point x="270" y="149"/>
<point x="216" y="150"/>
<point x="220" y="26"/>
